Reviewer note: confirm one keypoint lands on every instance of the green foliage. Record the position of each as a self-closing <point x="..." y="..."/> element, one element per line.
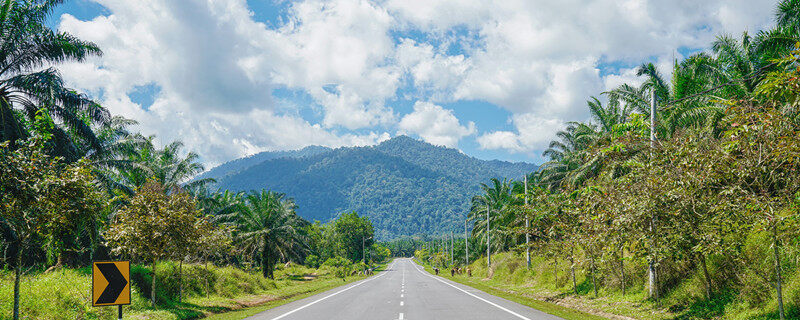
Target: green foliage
<point x="354" y="234"/>
<point x="156" y="225"/>
<point x="339" y="266"/>
<point x="34" y="99"/>
<point x="266" y="226"/>
<point x="404" y="186"/>
<point x="312" y="261"/>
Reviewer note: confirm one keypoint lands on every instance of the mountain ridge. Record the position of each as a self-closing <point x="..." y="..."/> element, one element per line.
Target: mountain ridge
<point x="404" y="185"/>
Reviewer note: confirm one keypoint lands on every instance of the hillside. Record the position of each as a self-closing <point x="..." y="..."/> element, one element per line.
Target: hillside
<point x="404" y="185"/>
<point x="240" y="164"/>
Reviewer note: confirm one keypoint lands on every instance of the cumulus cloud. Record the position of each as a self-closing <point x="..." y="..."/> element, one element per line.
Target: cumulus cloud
<point x="435" y="125"/>
<point x="215" y="67"/>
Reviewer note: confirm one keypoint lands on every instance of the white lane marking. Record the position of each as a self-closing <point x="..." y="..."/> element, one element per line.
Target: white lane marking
<point x="474" y="296"/>
<point x="337" y="292"/>
<point x="401" y="316"/>
<point x="401" y="303"/>
<point x="401" y="295"/>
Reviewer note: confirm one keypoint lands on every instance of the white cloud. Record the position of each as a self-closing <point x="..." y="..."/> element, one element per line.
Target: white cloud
<point x="216" y="67"/>
<point x="533" y="132"/>
<point x="435" y="74"/>
<point x="435" y="125"/>
<point x="500" y="140"/>
<point x="344" y="43"/>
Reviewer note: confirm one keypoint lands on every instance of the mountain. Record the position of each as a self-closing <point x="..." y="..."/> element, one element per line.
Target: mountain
<point x="234" y="166"/>
<point x="404" y="185"/>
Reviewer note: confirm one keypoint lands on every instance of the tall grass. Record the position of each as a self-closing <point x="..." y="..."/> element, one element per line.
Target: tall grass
<point x="65" y="293"/>
<point x="738" y="294"/>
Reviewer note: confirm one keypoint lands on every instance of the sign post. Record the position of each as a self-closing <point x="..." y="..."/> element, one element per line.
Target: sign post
<point x="111" y="284"/>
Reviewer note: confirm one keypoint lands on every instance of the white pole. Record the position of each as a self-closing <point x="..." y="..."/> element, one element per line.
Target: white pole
<point x="466" y="244"/>
<point x="488" y="240"/>
<point x="452" y="250"/>
<point x="527" y="226"/>
<point x="651" y="264"/>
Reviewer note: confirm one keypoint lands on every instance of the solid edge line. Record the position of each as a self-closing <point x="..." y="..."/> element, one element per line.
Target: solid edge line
<point x="333" y="294"/>
<point x="474" y="296"/>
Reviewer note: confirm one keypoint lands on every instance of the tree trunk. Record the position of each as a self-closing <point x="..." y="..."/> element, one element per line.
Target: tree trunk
<point x="180" y="282"/>
<point x="153" y="286"/>
<point x="622" y="269"/>
<point x="17" y="276"/>
<point x="653" y="284"/>
<point x="778" y="284"/>
<point x="266" y="264"/>
<point x="572" y="270"/>
<point x="702" y="259"/>
<point x="555" y="272"/>
<point x="206" y="277"/>
<point x="594" y="281"/>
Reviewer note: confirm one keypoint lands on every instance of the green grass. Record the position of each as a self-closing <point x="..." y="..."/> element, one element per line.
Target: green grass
<point x="64" y="294"/>
<point x="543" y="306"/>
<point x="737" y="296"/>
<point x="292" y="294"/>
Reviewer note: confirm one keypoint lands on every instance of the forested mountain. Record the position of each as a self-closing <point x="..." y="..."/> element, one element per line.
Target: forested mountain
<point x="240" y="164"/>
<point x="403" y="185"/>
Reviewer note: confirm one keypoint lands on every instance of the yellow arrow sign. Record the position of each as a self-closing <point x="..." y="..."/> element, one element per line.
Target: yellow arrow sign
<point x="111" y="283"/>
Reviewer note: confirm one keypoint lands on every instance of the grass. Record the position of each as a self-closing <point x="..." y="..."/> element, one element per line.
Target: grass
<point x="295" y="293"/>
<point x="64" y="293"/>
<point x="738" y="295"/>
<point x="515" y="296"/>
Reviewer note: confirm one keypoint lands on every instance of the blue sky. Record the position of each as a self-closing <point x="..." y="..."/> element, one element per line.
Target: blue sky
<point x="495" y="79"/>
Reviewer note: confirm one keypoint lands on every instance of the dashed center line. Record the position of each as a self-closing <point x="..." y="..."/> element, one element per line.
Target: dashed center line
<point x="401" y="316"/>
<point x="401" y="303"/>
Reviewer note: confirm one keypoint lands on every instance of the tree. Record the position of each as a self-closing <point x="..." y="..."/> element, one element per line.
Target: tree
<point x="23" y="178"/>
<point x="166" y="166"/>
<point x="154" y="225"/>
<point x="350" y="230"/>
<point x="73" y="204"/>
<point x="31" y="95"/>
<point x="267" y="226"/>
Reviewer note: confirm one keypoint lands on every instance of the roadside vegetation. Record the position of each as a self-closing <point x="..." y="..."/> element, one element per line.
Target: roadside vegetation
<point x="208" y="290"/>
<point x="78" y="184"/>
<point x="697" y="218"/>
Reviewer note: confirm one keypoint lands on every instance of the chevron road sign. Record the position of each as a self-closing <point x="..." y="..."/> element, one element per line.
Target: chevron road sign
<point x="111" y="283"/>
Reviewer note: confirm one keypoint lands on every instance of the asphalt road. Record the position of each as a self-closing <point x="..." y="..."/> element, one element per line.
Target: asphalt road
<point x="403" y="291"/>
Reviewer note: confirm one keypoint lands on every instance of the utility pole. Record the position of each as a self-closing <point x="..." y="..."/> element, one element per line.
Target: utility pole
<point x="527" y="226"/>
<point x="488" y="240"/>
<point x="364" y="249"/>
<point x="466" y="244"/>
<point x="650" y="263"/>
<point x="452" y="249"/>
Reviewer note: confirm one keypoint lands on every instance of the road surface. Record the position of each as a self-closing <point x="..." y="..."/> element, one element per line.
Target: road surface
<point x="403" y="292"/>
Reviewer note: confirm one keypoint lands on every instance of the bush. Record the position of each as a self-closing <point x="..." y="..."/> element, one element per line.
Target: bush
<point x="312" y="261"/>
<point x="339" y="266"/>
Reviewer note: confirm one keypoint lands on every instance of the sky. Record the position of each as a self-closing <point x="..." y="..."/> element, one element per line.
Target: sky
<point x="495" y="79"/>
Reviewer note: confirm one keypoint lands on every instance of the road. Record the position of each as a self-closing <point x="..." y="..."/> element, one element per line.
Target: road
<point x="403" y="292"/>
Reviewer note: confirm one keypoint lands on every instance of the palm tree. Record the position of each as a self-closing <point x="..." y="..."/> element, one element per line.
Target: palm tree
<point x="36" y="99"/>
<point x="165" y="166"/>
<point x="498" y="198"/>
<point x="267" y="226"/>
<point x="566" y="154"/>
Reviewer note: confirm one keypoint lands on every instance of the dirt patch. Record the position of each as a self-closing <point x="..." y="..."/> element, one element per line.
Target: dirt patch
<point x="310" y="276"/>
<point x="258" y="300"/>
